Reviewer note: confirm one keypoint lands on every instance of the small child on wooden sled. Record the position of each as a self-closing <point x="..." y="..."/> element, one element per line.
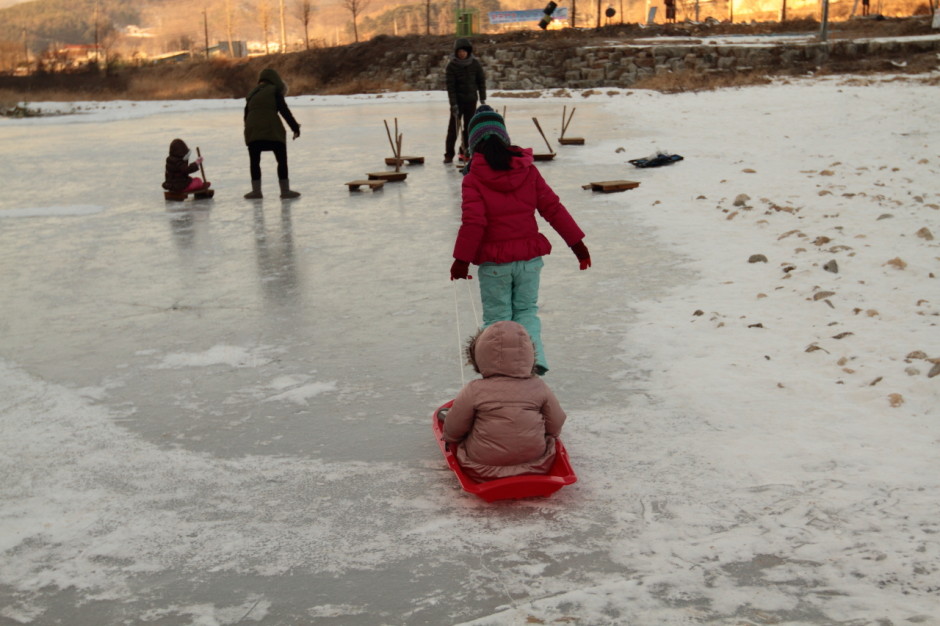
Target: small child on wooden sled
<point x="505" y="423"/>
<point x="178" y="170"/>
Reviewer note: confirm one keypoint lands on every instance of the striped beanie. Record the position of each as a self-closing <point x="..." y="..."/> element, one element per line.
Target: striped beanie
<point x="485" y="123"/>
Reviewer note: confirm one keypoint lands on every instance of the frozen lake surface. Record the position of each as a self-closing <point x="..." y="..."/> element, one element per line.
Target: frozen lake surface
<point x="218" y="412"/>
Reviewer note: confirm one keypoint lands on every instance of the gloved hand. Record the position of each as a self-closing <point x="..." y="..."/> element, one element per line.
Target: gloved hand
<point x="580" y="250"/>
<point x="199" y="161"/>
<point x="455" y="112"/>
<point x="459" y="269"/>
<point x="296" y="133"/>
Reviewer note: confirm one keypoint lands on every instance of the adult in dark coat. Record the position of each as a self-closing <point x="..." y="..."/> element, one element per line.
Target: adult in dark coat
<point x="265" y="132"/>
<point x="670" y="11"/>
<point x="465" y="79"/>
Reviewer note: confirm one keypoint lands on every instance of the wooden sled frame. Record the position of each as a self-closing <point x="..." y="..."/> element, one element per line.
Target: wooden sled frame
<point x="410" y="160"/>
<point x="374" y="185"/>
<point x="514" y="487"/>
<point x="568" y="141"/>
<point x="551" y="152"/>
<point x="612" y="186"/>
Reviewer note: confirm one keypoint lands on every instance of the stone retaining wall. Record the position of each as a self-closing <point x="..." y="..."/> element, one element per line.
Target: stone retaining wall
<point x="524" y="67"/>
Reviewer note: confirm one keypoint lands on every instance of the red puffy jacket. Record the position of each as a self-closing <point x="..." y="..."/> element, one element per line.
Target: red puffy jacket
<point x="498" y="222"/>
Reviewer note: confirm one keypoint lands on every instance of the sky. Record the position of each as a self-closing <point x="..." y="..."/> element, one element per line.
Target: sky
<point x="219" y="414"/>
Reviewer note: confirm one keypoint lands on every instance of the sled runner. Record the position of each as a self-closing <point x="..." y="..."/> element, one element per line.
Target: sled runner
<point x="657" y="161"/>
<point x="523" y="486"/>
<point x="354" y="185"/>
<point x="410" y="160"/>
<point x="179" y="196"/>
<point x="611" y="186"/>
<point x="389" y="177"/>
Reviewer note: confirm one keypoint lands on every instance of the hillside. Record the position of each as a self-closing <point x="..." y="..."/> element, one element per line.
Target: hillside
<point x="163" y="26"/>
<point x="352" y="68"/>
<point x="173" y="24"/>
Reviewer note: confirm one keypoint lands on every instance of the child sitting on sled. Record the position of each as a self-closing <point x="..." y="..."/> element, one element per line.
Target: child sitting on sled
<point x="505" y="423"/>
<point x="178" y="170"/>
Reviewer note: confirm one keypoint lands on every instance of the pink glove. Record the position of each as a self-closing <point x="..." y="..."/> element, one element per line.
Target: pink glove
<point x="580" y="250"/>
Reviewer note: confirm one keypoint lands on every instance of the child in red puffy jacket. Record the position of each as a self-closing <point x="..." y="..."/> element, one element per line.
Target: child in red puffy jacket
<point x="501" y="193"/>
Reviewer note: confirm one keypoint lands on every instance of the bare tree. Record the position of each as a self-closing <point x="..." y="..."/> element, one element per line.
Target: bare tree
<point x="264" y="20"/>
<point x="355" y="8"/>
<point x="228" y="27"/>
<point x="427" y="17"/>
<point x="108" y="38"/>
<point x="283" y="47"/>
<point x="304" y="13"/>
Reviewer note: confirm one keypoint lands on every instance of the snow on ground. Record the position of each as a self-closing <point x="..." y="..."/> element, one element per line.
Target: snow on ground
<point x="752" y="41"/>
<point x="756" y="437"/>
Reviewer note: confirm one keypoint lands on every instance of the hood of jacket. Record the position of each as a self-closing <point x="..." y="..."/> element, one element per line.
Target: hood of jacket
<point x="178" y="148"/>
<point x="270" y="75"/>
<point x="502" y="180"/>
<point x="503" y="349"/>
<point x="463" y="44"/>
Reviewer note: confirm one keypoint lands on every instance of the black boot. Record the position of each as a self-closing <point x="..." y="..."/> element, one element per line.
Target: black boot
<point x="255" y="192"/>
<point x="286" y="192"/>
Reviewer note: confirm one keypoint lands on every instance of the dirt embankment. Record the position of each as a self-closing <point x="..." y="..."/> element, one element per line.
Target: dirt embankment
<point x="337" y="70"/>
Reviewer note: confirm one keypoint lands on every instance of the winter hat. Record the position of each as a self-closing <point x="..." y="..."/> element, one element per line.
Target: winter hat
<point x="486" y="123"/>
<point x="463" y="44"/>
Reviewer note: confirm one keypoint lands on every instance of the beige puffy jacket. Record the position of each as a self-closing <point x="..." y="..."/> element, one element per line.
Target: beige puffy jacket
<point x="506" y="423"/>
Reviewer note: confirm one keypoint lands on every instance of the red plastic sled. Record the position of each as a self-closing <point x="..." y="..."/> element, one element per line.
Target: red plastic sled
<point x="523" y="486"/>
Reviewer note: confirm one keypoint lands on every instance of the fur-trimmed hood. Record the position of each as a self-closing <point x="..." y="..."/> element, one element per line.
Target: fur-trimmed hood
<point x="503" y="349"/>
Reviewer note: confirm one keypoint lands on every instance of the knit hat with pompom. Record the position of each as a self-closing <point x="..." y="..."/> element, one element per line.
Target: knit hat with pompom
<point x="486" y="123"/>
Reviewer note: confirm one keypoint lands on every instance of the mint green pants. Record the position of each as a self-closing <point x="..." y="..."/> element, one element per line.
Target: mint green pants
<point x="510" y="291"/>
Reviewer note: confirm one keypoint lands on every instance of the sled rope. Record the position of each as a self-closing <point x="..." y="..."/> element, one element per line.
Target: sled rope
<point x="473" y="304"/>
<point x="476" y="320"/>
<point x="459" y="350"/>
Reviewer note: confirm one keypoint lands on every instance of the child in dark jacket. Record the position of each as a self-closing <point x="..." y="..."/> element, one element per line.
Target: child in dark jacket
<point x="505" y="423"/>
<point x="178" y="169"/>
<point x="502" y="192"/>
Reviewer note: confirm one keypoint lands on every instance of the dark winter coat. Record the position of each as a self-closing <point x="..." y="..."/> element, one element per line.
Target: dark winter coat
<point x="465" y="77"/>
<point x="262" y="107"/>
<point x="178" y="167"/>
<point x="505" y="423"/>
<point x="498" y="222"/>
